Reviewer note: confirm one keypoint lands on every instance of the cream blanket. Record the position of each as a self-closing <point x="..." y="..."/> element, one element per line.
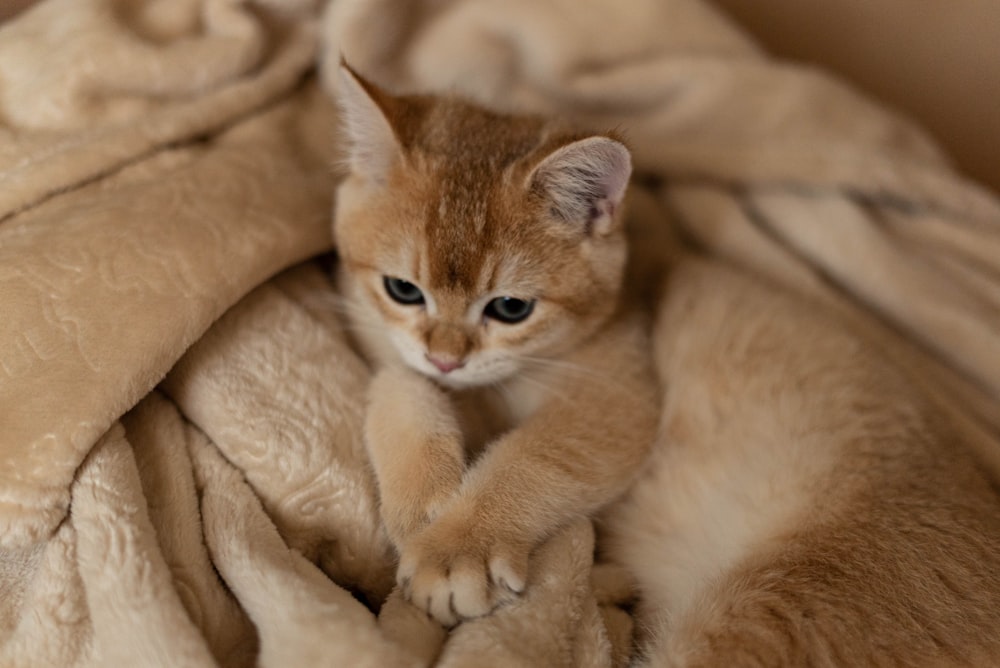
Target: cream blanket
<point x="182" y="477"/>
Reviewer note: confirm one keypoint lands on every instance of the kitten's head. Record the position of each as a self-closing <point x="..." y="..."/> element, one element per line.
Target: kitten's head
<point x="475" y="244"/>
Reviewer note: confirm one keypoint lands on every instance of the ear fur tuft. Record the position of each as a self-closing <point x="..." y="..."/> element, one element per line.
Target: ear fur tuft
<point x="372" y="143"/>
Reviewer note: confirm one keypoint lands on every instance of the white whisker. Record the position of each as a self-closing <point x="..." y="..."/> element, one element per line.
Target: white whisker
<point x="503" y="392"/>
<point x="545" y="387"/>
<point x="572" y="369"/>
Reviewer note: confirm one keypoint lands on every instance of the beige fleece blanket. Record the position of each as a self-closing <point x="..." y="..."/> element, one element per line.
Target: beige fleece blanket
<point x="182" y="477"/>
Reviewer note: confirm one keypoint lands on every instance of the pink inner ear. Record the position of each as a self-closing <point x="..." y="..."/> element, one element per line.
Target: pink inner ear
<point x="618" y="169"/>
<point x="373" y="144"/>
<point x="586" y="181"/>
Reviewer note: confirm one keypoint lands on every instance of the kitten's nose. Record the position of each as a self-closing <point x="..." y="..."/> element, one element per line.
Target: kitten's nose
<point x="445" y="364"/>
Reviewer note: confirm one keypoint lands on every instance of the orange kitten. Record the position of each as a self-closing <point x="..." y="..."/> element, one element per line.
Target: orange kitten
<point x="482" y="259"/>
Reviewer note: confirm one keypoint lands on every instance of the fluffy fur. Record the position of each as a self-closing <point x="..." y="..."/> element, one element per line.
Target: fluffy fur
<point x="802" y="504"/>
<point x="803" y="507"/>
<point x="485" y="435"/>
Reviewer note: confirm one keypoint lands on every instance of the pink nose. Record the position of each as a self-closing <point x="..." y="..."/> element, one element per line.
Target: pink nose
<point x="445" y="365"/>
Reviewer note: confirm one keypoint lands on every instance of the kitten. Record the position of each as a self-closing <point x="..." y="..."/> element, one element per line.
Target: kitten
<point x="803" y="505"/>
<point x="482" y="257"/>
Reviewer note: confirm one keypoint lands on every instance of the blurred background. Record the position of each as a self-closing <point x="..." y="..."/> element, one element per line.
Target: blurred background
<point x="936" y="60"/>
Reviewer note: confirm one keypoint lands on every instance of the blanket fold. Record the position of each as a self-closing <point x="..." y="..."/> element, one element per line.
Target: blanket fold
<point x="90" y="87"/>
<point x="182" y="474"/>
<point x="108" y="284"/>
<point x="288" y="418"/>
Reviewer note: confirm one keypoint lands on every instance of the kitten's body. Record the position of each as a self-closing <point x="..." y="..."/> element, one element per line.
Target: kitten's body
<point x="482" y="257"/>
<point x="804" y="505"/>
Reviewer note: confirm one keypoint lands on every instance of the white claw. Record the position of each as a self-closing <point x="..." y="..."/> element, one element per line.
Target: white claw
<point x="503" y="575"/>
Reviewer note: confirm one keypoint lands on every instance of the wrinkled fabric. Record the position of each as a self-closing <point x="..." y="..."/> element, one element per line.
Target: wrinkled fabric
<point x="182" y="473"/>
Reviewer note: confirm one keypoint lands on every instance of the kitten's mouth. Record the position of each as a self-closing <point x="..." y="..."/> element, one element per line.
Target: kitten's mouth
<point x="456" y="377"/>
<point x="445" y="371"/>
<point x="448" y="380"/>
<point x="457" y="374"/>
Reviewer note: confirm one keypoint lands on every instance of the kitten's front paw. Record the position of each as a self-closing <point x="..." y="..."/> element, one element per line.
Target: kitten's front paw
<point x="455" y="570"/>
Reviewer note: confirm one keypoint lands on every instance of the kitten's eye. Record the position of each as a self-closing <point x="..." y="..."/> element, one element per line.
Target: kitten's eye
<point x="508" y="309"/>
<point x="402" y="291"/>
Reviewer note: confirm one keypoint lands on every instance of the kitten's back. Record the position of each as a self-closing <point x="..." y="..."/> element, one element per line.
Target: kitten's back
<point x="803" y="506"/>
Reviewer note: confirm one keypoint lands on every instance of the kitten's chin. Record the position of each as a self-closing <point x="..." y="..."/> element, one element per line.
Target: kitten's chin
<point x="459" y="381"/>
<point x="449" y="381"/>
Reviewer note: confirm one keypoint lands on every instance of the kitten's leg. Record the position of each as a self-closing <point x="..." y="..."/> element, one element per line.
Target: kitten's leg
<point x="564" y="463"/>
<point x="415" y="445"/>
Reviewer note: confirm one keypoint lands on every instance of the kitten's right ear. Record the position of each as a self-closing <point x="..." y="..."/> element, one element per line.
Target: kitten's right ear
<point x="585" y="182"/>
<point x="373" y="147"/>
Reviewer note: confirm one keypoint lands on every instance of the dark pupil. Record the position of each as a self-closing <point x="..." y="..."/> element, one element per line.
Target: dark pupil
<point x="402" y="291"/>
<point x="508" y="309"/>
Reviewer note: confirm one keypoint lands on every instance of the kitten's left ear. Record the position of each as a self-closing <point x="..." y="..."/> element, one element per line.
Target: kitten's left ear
<point x="372" y="142"/>
<point x="585" y="182"/>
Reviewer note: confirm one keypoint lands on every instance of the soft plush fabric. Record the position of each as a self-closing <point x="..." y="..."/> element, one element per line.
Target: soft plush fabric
<point x="182" y="475"/>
